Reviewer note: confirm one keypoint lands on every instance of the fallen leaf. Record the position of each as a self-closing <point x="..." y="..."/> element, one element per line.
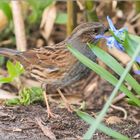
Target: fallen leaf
<point x="130" y="27"/>
<point x="113" y="120"/>
<point x="46" y="130"/>
<point x="81" y="3"/>
<point x="17" y="130"/>
<point x="47" y="22"/>
<point x="121" y="56"/>
<point x="136" y="136"/>
<point x="6" y="95"/>
<point x="3" y="20"/>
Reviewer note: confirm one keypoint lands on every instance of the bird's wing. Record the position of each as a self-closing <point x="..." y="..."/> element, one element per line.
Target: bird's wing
<point x="49" y="62"/>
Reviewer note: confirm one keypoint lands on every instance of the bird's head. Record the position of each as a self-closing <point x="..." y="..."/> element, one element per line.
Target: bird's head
<point x="87" y="32"/>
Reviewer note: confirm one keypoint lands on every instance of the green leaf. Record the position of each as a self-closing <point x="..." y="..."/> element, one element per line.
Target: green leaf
<point x="43" y="4"/>
<point x="6" y="9"/>
<point x="103" y="73"/>
<point x="95" y="125"/>
<point x="18" y="68"/>
<point x="11" y="69"/>
<point x="12" y="102"/>
<point x="36" y="94"/>
<point x="131" y="102"/>
<point x="90" y="120"/>
<point x="28" y="96"/>
<point x="1" y="60"/>
<point x="33" y="17"/>
<point x="14" y="70"/>
<point x="6" y="79"/>
<point x="131" y="42"/>
<point x="25" y="96"/>
<point x="61" y="18"/>
<point x="114" y="65"/>
<point x="37" y="8"/>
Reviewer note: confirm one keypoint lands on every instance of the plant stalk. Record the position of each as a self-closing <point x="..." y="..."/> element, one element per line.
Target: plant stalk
<point x="72" y="16"/>
<point x="19" y="25"/>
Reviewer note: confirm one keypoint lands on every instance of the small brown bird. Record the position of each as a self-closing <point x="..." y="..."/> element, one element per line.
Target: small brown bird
<point x="54" y="65"/>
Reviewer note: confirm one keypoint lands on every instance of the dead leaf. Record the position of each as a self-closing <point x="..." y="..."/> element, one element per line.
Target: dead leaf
<point x="81" y="3"/>
<point x="92" y="85"/>
<point x="48" y="19"/>
<point x="130" y="27"/>
<point x="121" y="56"/>
<point x="17" y="130"/>
<point x="113" y="120"/>
<point x="6" y="95"/>
<point x="39" y="43"/>
<point x="3" y="20"/>
<point x="46" y="130"/>
<point x="136" y="136"/>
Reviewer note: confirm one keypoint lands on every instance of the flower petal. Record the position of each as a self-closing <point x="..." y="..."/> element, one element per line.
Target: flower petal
<point x="138" y="59"/>
<point x="100" y="36"/>
<point x="111" y="25"/>
<point x="137" y="72"/>
<point x="118" y="46"/>
<point x="121" y="33"/>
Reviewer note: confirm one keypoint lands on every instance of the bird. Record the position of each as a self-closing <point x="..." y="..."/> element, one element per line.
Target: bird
<point x="55" y="66"/>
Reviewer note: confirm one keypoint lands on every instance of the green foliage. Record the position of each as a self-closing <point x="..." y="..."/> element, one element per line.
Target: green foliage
<point x="1" y="60"/>
<point x="88" y="119"/>
<point x="4" y="5"/>
<point x="14" y="70"/>
<point x="103" y="73"/>
<point x="115" y="66"/>
<point x="94" y="126"/>
<point x="131" y="43"/>
<point x="37" y="8"/>
<point x="27" y="97"/>
<point x="61" y="18"/>
<point x="131" y="102"/>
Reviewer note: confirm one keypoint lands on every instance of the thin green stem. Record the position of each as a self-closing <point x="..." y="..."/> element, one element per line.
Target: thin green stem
<point x="94" y="126"/>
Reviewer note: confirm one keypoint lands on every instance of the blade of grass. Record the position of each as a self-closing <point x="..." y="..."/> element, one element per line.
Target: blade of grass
<point x="88" y="119"/>
<point x="103" y="73"/>
<point x="94" y="126"/>
<point x="114" y="65"/>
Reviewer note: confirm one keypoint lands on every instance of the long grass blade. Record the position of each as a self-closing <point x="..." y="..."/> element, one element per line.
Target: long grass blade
<point x="103" y="73"/>
<point x="90" y="120"/>
<point x="95" y="125"/>
<point x="115" y="66"/>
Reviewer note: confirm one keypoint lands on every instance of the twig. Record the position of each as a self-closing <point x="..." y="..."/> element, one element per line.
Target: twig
<point x="19" y="25"/>
<point x="72" y="16"/>
<point x="46" y="130"/>
<point x="5" y="42"/>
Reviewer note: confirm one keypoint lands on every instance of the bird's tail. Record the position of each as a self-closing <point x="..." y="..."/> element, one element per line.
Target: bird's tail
<point x="10" y="53"/>
<point x="15" y="55"/>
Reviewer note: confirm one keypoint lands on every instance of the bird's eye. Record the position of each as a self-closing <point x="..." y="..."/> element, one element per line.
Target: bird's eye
<point x="96" y="30"/>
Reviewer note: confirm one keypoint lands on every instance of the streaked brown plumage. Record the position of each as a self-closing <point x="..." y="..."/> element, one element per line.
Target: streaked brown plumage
<point x="55" y="65"/>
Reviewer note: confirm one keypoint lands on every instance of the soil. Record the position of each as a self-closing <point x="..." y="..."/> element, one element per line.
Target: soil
<point x="20" y="122"/>
<point x="32" y="123"/>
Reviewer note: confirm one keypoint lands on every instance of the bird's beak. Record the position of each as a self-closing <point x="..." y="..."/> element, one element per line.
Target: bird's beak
<point x="106" y="30"/>
<point x="95" y="40"/>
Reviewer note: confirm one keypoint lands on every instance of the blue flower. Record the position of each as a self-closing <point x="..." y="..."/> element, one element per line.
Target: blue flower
<point x="138" y="61"/>
<point x="110" y="40"/>
<point x="137" y="72"/>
